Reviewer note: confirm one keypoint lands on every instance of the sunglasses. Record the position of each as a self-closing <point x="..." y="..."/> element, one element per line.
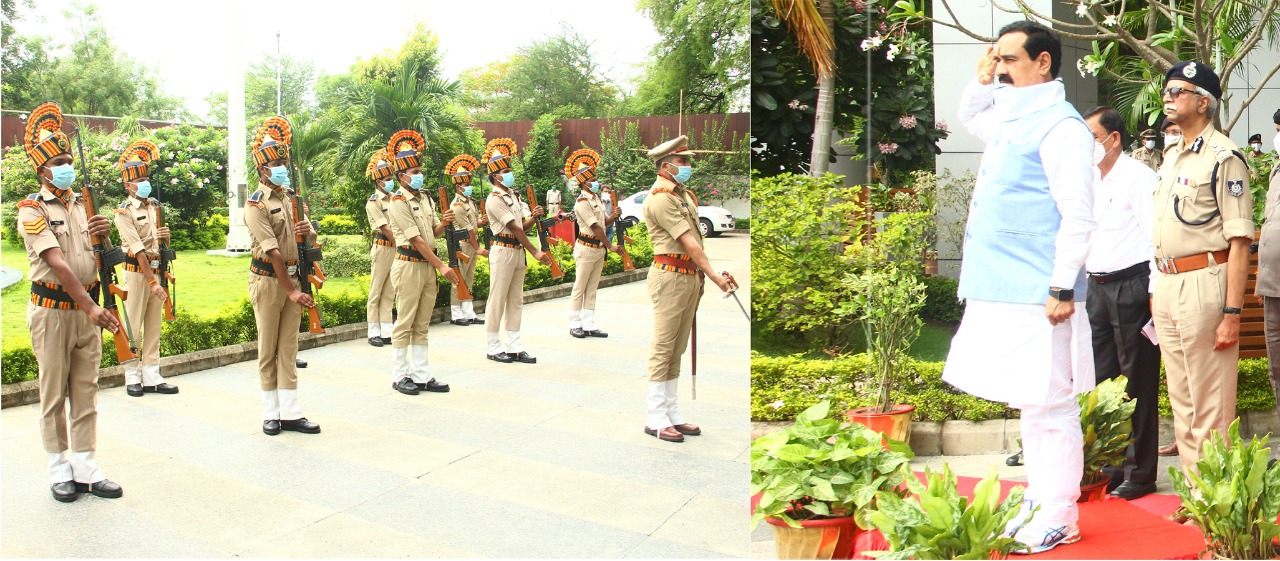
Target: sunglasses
<point x="1175" y="91"/>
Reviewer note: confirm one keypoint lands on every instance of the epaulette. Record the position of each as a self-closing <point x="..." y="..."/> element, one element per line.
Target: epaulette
<point x="582" y="196"/>
<point x="373" y="197"/>
<point x="33" y="201"/>
<point x="398" y="197"/>
<point x="153" y="201"/>
<point x="657" y="190"/>
<point x="123" y="208"/>
<point x="256" y="200"/>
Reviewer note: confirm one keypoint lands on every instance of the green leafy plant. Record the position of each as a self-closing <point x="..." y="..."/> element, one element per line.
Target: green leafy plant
<point x="823" y="468"/>
<point x="1234" y="498"/>
<point x="940" y="523"/>
<point x="886" y="301"/>
<point x="1105" y="421"/>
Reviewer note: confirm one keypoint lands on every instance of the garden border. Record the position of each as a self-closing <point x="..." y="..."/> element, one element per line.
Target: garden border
<point x="28" y="392"/>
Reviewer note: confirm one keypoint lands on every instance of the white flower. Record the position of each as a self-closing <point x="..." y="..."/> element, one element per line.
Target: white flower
<point x="1087" y="67"/>
<point x="1081" y="9"/>
<point x="173" y="181"/>
<point x="777" y="404"/>
<point x="940" y="125"/>
<point x="887" y="147"/>
<point x="873" y="43"/>
<point x="1110" y="21"/>
<point x="894" y="49"/>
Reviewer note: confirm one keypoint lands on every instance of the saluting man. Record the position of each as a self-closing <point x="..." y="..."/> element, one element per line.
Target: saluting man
<point x="1203" y="229"/>
<point x="135" y="220"/>
<point x="273" y="280"/>
<point x="63" y="319"/>
<point x="592" y="244"/>
<point x="382" y="253"/>
<point x="466" y="213"/>
<point x="414" y="272"/>
<point x="506" y="259"/>
<point x="675" y="283"/>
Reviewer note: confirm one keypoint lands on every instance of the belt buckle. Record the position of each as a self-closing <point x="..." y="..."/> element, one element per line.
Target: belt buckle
<point x="293" y="270"/>
<point x="155" y="263"/>
<point x="1167" y="266"/>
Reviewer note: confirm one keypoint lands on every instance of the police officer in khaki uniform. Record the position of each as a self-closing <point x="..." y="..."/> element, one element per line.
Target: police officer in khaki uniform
<point x="592" y="244"/>
<point x="135" y="220"/>
<point x="553" y="201"/>
<point x="1202" y="231"/>
<point x="1149" y="152"/>
<point x="466" y="213"/>
<point x="382" y="253"/>
<point x="63" y="319"/>
<point x="414" y="224"/>
<point x="506" y="258"/>
<point x="675" y="283"/>
<point x="273" y="280"/>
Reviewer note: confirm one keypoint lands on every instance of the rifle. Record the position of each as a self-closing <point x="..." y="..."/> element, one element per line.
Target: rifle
<point x="309" y="271"/>
<point x="488" y="233"/>
<point x="453" y="241"/>
<point x="543" y="225"/>
<point x="167" y="255"/>
<point x="620" y="231"/>
<point x="107" y="256"/>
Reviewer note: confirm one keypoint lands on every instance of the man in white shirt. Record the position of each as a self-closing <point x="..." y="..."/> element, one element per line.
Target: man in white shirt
<point x="1020" y="341"/>
<point x="1118" y="302"/>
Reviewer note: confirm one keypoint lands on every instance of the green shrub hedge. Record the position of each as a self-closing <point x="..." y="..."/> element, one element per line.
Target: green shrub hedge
<point x="941" y="302"/>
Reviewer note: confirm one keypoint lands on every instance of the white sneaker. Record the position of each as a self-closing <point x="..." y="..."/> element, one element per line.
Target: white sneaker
<point x="1020" y="519"/>
<point x="1041" y="538"/>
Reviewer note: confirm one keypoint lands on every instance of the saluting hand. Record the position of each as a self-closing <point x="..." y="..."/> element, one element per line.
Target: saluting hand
<point x="99" y="225"/>
<point x="987" y="66"/>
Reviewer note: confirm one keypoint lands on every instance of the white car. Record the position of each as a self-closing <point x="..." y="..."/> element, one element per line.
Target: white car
<point x="712" y="220"/>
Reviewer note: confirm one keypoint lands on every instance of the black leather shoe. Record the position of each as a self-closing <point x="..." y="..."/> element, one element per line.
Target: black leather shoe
<point x="525" y="358"/>
<point x="1130" y="490"/>
<point x="405" y="386"/>
<point x="134" y="390"/>
<point x="578" y="332"/>
<point x="500" y="357"/>
<point x="161" y="388"/>
<point x="596" y="333"/>
<point x="64" y="492"/>
<point x="300" y="363"/>
<point x="300" y="425"/>
<point x="1271" y="463"/>
<point x="460" y="322"/>
<point x="105" y="489"/>
<point x="433" y="386"/>
<point x="271" y="427"/>
<point x="376" y="341"/>
<point x="385" y="340"/>
<point x="1014" y="460"/>
<point x="476" y="321"/>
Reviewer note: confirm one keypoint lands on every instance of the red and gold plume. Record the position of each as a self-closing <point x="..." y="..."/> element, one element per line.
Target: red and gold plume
<point x="498" y="154"/>
<point x="136" y="160"/>
<point x="44" y="138"/>
<point x="406" y="148"/>
<point x="460" y="167"/>
<point x="379" y="165"/>
<point x="272" y="141"/>
<point x="581" y="165"/>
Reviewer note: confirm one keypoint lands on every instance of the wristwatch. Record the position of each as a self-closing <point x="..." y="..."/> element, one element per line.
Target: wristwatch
<point x="1063" y="294"/>
<point x="1230" y="310"/>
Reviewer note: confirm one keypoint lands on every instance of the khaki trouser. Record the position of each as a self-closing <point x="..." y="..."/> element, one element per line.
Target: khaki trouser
<point x="278" y="322"/>
<point x="1202" y="381"/>
<point x="381" y="293"/>
<point x="506" y="288"/>
<point x="416" y="291"/>
<point x="1271" y="326"/>
<point x="589" y="262"/>
<point x="466" y="269"/>
<point x="68" y="350"/>
<point x="675" y="299"/>
<point x="146" y="313"/>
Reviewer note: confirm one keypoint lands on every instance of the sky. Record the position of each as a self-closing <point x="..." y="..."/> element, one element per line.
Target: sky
<point x="188" y="45"/>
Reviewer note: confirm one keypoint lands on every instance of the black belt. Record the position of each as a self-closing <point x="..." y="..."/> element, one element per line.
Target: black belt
<point x="380" y="239"/>
<point x="507" y="241"/>
<point x="131" y="264"/>
<point x="50" y="295"/>
<point x="1127" y="272"/>
<point x="589" y="242"/>
<point x="263" y="267"/>
<point x="406" y="254"/>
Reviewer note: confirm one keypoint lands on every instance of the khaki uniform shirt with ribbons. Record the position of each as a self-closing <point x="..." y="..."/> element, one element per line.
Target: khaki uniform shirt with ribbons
<point x="466" y="215"/>
<point x="589" y="211"/>
<point x="1151" y="158"/>
<point x="504" y="206"/>
<point x="411" y="215"/>
<point x="269" y="216"/>
<point x="136" y="222"/>
<point x="673" y="211"/>
<point x="1197" y="213"/>
<point x="376" y="209"/>
<point x="45" y="222"/>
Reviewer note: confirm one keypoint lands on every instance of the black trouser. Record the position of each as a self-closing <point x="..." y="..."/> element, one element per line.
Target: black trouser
<point x="1118" y="310"/>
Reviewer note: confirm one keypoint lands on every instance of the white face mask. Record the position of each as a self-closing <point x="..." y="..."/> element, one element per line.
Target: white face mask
<point x="1150" y="144"/>
<point x="1257" y="146"/>
<point x="1099" y="152"/>
<point x="1172" y="139"/>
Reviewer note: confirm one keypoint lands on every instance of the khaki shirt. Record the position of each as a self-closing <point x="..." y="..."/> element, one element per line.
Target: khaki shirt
<point x="46" y="222"/>
<point x="1269" y="242"/>
<point x="466" y="212"/>
<point x="669" y="212"/>
<point x="589" y="211"/>
<point x="411" y="215"/>
<point x="376" y="208"/>
<point x="1152" y="158"/>
<point x="1187" y="176"/>
<point x="136" y="223"/>
<point x="503" y="206"/>
<point x="269" y="215"/>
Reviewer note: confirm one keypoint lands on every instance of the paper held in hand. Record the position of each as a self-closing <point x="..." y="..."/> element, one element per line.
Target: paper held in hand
<point x="1149" y="330"/>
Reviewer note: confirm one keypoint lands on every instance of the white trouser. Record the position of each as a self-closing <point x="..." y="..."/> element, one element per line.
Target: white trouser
<point x="148" y="375"/>
<point x="418" y="364"/>
<point x="575" y="319"/>
<point x="85" y="468"/>
<point x="513" y="343"/>
<point x="468" y="310"/>
<point x="373" y="329"/>
<point x="290" y="409"/>
<point x="657" y="418"/>
<point x="589" y="321"/>
<point x="455" y="312"/>
<point x="385" y="329"/>
<point x="399" y="363"/>
<point x="495" y="342"/>
<point x="270" y="405"/>
<point x="59" y="468"/>
<point x="673" y="408"/>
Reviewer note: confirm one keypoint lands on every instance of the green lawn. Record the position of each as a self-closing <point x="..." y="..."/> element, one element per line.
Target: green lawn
<point x="205" y="285"/>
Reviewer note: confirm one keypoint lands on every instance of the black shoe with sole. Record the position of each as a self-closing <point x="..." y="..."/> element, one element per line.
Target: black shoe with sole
<point x="1130" y="490"/>
<point x="161" y="388"/>
<point x="525" y="358"/>
<point x="375" y="341"/>
<point x="578" y="332"/>
<point x="300" y="363"/>
<point x="1014" y="460"/>
<point x="64" y="492"/>
<point x="500" y="357"/>
<point x="405" y="386"/>
<point x="300" y="425"/>
<point x="271" y="427"/>
<point x="385" y="340"/>
<point x="134" y="390"/>
<point x="476" y="321"/>
<point x="433" y="386"/>
<point x="105" y="489"/>
<point x="596" y="333"/>
<point x="460" y="322"/>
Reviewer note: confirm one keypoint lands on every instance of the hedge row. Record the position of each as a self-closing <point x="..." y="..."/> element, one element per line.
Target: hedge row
<point x="782" y="387"/>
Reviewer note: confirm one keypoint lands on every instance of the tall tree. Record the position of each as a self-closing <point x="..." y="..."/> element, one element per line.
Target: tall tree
<point x="296" y="80"/>
<point x="421" y="48"/>
<point x="554" y="74"/>
<point x="704" y="52"/>
<point x="810" y="21"/>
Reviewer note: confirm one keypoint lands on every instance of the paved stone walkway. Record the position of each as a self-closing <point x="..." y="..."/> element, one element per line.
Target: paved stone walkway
<point x="544" y="460"/>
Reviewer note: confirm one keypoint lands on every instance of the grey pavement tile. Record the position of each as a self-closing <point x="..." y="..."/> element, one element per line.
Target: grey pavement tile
<point x="654" y="548"/>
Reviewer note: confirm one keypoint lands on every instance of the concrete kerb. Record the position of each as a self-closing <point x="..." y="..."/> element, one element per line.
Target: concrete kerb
<point x="28" y="392"/>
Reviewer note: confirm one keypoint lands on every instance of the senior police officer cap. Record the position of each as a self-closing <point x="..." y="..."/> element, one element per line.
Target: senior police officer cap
<point x="678" y="146"/>
<point x="1149" y="133"/>
<point x="1197" y="73"/>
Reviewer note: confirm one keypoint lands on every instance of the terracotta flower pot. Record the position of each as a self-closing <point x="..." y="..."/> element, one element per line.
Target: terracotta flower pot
<point x="896" y="424"/>
<point x="830" y="538"/>
<point x="1094" y="492"/>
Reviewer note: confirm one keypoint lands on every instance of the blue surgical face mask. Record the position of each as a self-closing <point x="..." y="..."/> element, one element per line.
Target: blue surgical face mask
<point x="595" y="186"/>
<point x="683" y="173"/>
<point x="508" y="179"/>
<point x="415" y="181"/>
<point x="279" y="175"/>
<point x="63" y="175"/>
<point x="466" y="191"/>
<point x="388" y="185"/>
<point x="144" y="188"/>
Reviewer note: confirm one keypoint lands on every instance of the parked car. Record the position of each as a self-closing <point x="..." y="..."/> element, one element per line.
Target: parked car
<point x="712" y="220"/>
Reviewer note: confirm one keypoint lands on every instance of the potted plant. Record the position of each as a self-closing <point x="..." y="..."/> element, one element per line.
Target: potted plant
<point x="939" y="523"/>
<point x="1105" y="421"/>
<point x="886" y="302"/>
<point x="814" y="475"/>
<point x="1235" y="498"/>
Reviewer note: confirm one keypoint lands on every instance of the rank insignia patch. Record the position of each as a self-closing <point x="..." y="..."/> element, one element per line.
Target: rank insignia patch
<point x="1235" y="187"/>
<point x="35" y="226"/>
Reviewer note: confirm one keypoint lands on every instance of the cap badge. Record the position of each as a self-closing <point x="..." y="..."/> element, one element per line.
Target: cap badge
<point x="1189" y="70"/>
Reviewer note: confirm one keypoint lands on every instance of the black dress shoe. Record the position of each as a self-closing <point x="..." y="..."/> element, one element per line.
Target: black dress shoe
<point x="460" y="322"/>
<point x="105" y="489"/>
<point x="476" y="321"/>
<point x="64" y="492"/>
<point x="385" y="340"/>
<point x="500" y="357"/>
<point x="1130" y="490"/>
<point x="1271" y="463"/>
<point x="525" y="358"/>
<point x="405" y="386"/>
<point x="1014" y="460"/>
<point x="271" y="427"/>
<point x="596" y="333"/>
<point x="134" y="390"/>
<point x="300" y="425"/>
<point x="578" y="332"/>
<point x="161" y="388"/>
<point x="376" y="341"/>
<point x="300" y="363"/>
<point x="433" y="386"/>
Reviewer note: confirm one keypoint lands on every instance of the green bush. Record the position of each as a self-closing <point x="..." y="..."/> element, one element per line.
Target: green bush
<point x="742" y="223"/>
<point x="339" y="224"/>
<point x="211" y="235"/>
<point x="344" y="260"/>
<point x="940" y="301"/>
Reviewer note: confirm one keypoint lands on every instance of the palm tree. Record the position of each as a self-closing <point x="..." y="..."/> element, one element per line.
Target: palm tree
<point x="312" y="153"/>
<point x="811" y="21"/>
